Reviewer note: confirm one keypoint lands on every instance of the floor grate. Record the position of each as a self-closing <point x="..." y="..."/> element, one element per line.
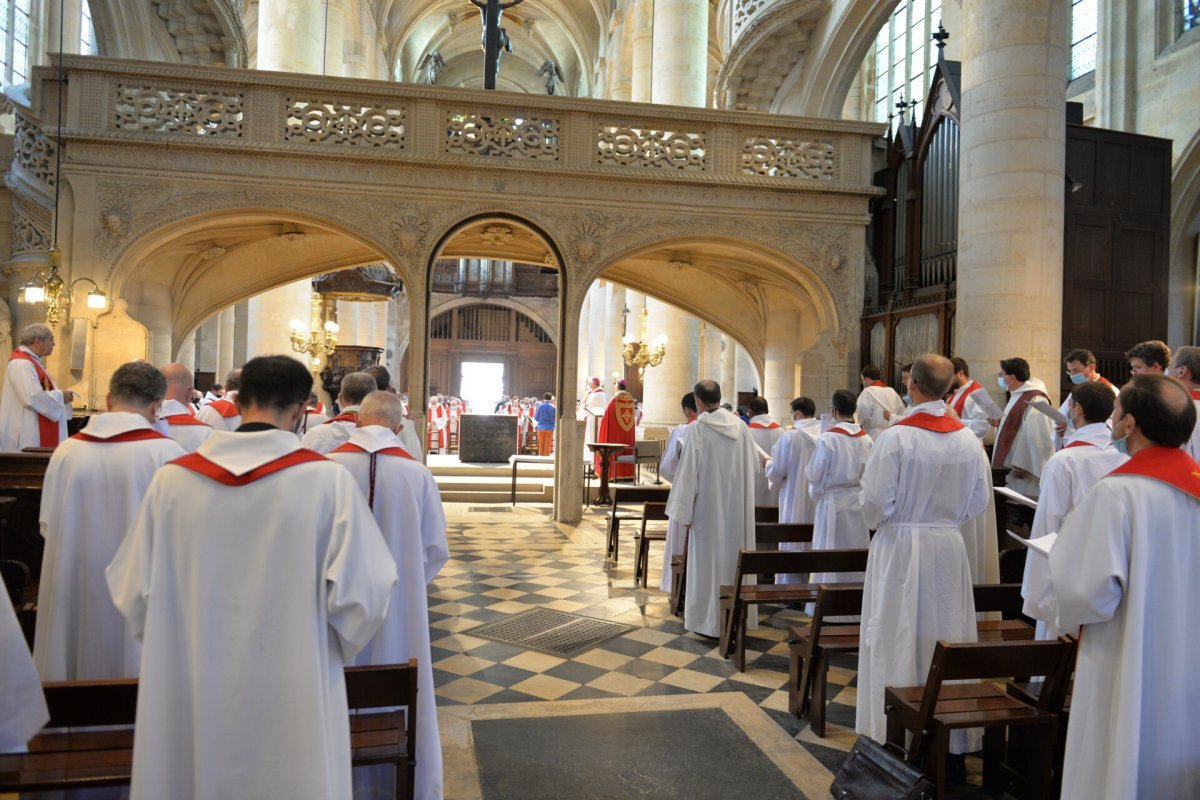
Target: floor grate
<point x="489" y="509"/>
<point x="555" y="633"/>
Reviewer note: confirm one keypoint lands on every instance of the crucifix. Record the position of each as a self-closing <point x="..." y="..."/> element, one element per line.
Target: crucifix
<point x="495" y="38"/>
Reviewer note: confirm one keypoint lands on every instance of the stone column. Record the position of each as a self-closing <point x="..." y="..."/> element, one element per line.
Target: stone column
<point x="208" y="345"/>
<point x="334" y="33"/>
<point x="582" y="362"/>
<point x="1116" y="65"/>
<point x="291" y="34"/>
<point x="188" y="354"/>
<point x="225" y="324"/>
<point x="710" y="352"/>
<point x="779" y="380"/>
<point x="614" y="307"/>
<point x="1011" y="186"/>
<point x="680" y="52"/>
<point x="241" y="323"/>
<point x="642" y="55"/>
<point x="675" y="377"/>
<point x="728" y="365"/>
<point x="268" y="328"/>
<point x="349" y="313"/>
<point x="379" y="335"/>
<point x="596" y="320"/>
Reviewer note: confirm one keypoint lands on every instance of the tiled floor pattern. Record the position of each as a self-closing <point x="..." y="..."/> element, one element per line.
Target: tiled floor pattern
<point x="507" y="561"/>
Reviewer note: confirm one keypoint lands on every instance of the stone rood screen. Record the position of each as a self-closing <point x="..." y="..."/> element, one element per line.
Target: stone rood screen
<point x="243" y="110"/>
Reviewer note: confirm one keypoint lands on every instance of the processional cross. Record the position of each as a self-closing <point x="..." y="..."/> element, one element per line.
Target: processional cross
<point x="495" y="38"/>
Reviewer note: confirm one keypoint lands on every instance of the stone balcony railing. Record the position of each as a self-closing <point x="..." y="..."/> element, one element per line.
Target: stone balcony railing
<point x="735" y="17"/>
<point x="114" y="101"/>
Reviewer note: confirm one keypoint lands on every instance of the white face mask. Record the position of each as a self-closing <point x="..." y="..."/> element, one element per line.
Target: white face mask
<point x="1003" y="383"/>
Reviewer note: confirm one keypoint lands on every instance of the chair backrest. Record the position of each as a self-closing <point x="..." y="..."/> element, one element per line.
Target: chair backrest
<point x="647" y="448"/>
<point x="16" y="579"/>
<point x="775" y="562"/>
<point x="381" y="686"/>
<point x="654" y="511"/>
<point x="1003" y="597"/>
<point x="84" y="704"/>
<point x="836" y="600"/>
<point x="766" y="514"/>
<point x="767" y="533"/>
<point x="625" y="495"/>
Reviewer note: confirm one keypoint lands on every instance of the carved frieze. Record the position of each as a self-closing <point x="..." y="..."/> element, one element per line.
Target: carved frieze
<point x="783" y="157"/>
<point x="162" y="110"/>
<point x="500" y="136"/>
<point x="653" y="149"/>
<point x="341" y="123"/>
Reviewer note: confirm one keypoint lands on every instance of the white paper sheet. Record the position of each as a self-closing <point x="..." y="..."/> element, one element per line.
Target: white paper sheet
<point x="1050" y="411"/>
<point x="1016" y="497"/>
<point x="1041" y="545"/>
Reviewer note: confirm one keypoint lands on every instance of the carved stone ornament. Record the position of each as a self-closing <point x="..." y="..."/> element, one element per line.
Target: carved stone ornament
<point x="408" y="233"/>
<point x="114" y="217"/>
<point x="585" y="241"/>
<point x="28" y="234"/>
<point x="32" y="151"/>
<point x="497" y="235"/>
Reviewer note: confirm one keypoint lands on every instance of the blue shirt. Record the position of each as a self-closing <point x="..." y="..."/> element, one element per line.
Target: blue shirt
<point x="543" y="415"/>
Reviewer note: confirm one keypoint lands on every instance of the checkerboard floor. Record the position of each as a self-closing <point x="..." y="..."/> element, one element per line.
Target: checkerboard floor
<point x="508" y="560"/>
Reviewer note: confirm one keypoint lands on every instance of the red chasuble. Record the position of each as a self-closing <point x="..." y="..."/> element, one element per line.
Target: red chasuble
<point x="617" y="427"/>
<point x="47" y="428"/>
<point x="1167" y="464"/>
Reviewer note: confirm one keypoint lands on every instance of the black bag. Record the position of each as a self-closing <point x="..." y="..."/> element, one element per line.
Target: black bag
<point x="872" y="772"/>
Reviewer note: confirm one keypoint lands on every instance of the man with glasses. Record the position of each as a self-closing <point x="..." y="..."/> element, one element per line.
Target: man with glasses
<point x="33" y="410"/>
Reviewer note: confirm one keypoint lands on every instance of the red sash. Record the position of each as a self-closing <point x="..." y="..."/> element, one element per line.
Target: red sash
<point x="47" y="428"/>
<point x="1080" y="443"/>
<point x="135" y="435"/>
<point x="761" y="427"/>
<point x="1167" y="464"/>
<point x="932" y="422"/>
<point x="960" y="404"/>
<point x="348" y="417"/>
<point x="199" y="464"/>
<point x="387" y="451"/>
<point x="183" y="419"/>
<point x="845" y="432"/>
<point x="1012" y="424"/>
<point x="224" y="408"/>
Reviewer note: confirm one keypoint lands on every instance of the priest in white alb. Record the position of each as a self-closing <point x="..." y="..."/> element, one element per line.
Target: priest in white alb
<point x="971" y="402"/>
<point x="765" y="432"/>
<point x="408" y="433"/>
<point x="877" y="403"/>
<point x="254" y="573"/>
<point x="1024" y="436"/>
<point x="925" y="476"/>
<point x="1068" y="476"/>
<point x="713" y="493"/>
<point x="404" y="499"/>
<point x="176" y="418"/>
<point x="785" y="471"/>
<point x="1124" y="567"/>
<point x="591" y="409"/>
<point x="33" y="410"/>
<point x="222" y="414"/>
<point x="667" y="467"/>
<point x="94" y="486"/>
<point x="326" y="437"/>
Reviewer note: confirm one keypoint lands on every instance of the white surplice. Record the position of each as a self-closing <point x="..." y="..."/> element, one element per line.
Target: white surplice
<point x="872" y="402"/>
<point x="211" y="416"/>
<point x="976" y="408"/>
<point x="834" y="475"/>
<point x="1033" y="445"/>
<point x="328" y="436"/>
<point x="22" y="400"/>
<point x="676" y="532"/>
<point x="1124" y="566"/>
<point x="90" y="499"/>
<point x="590" y="411"/>
<point x="1193" y="444"/>
<point x="765" y="435"/>
<point x="917" y="488"/>
<point x="785" y="470"/>
<point x="22" y="705"/>
<point x="408" y="508"/>
<point x="713" y="492"/>
<point x="171" y="424"/>
<point x="249" y="599"/>
<point x="1068" y="476"/>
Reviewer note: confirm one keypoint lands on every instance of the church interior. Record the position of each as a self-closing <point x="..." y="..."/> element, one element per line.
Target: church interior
<point x="774" y="193"/>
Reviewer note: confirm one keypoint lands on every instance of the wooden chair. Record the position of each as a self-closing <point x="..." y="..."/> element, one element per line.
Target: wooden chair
<point x="86" y="758"/>
<point x="625" y="496"/>
<point x="679" y="577"/>
<point x="651" y="512"/>
<point x="809" y="648"/>
<point x="645" y="451"/>
<point x="930" y="713"/>
<point x="737" y="599"/>
<point x="766" y="514"/>
<point x="1006" y="599"/>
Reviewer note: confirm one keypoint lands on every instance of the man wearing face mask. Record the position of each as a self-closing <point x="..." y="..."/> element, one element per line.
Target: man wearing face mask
<point x="1081" y="367"/>
<point x="1185" y="368"/>
<point x="1124" y="567"/>
<point x="94" y="485"/>
<point x="1024" y="437"/>
<point x="1070" y="473"/>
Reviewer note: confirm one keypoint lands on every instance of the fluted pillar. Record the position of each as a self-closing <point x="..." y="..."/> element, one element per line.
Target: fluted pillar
<point x="268" y="327"/>
<point x="291" y="34"/>
<point x="642" y="51"/>
<point x="614" y="308"/>
<point x="666" y="383"/>
<point x="680" y="52"/>
<point x="1011" y="185"/>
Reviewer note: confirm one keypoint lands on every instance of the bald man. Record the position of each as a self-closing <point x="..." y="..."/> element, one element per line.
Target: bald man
<point x="176" y="418"/>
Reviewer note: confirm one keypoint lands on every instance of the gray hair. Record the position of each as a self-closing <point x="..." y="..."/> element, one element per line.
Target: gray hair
<point x="233" y="379"/>
<point x="1189" y="357"/>
<point x="137" y="383"/>
<point x="356" y="386"/>
<point x="933" y="374"/>
<point x="381" y="408"/>
<point x="35" y="332"/>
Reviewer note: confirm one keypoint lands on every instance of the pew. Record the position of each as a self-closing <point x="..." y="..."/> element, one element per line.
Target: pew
<point x="931" y="712"/>
<point x="810" y="646"/>
<point x="83" y="758"/>
<point x="737" y="599"/>
<point x="624" y="496"/>
<point x="21" y="477"/>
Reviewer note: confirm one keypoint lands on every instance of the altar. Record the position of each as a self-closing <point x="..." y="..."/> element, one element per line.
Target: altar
<point x="487" y="438"/>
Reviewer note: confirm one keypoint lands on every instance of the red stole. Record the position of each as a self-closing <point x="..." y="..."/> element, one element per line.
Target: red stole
<point x="387" y="451"/>
<point x="199" y="464"/>
<point x="960" y="404"/>
<point x="135" y="435"/>
<point x="349" y="416"/>
<point x="225" y="408"/>
<point x="932" y="422"/>
<point x="844" y="432"/>
<point x="1170" y="465"/>
<point x="183" y="419"/>
<point x="761" y="427"/>
<point x="1012" y="424"/>
<point x="47" y="428"/>
<point x="1080" y="443"/>
<point x="880" y="384"/>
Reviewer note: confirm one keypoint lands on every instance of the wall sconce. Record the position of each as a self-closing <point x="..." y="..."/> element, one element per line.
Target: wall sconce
<point x="52" y="290"/>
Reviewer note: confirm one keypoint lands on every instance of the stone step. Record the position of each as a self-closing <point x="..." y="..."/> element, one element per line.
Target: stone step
<point x="477" y="496"/>
<point x="483" y="471"/>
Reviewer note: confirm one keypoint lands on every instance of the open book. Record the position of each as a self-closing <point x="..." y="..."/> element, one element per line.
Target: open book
<point x="1016" y="497"/>
<point x="1040" y="545"/>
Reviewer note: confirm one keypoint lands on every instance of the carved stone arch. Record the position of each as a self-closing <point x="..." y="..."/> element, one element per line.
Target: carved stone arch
<point x="765" y="52"/>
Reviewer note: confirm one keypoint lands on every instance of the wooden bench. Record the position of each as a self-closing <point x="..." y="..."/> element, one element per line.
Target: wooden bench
<point x="625" y="496"/>
<point x="768" y="532"/>
<point x="737" y="599"/>
<point x="651" y="512"/>
<point x="810" y="646"/>
<point x="92" y="758"/>
<point x="930" y="713"/>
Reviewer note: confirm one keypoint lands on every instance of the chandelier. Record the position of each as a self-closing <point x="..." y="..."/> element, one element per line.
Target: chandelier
<point x="321" y="336"/>
<point x="638" y="353"/>
<point x="52" y="290"/>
